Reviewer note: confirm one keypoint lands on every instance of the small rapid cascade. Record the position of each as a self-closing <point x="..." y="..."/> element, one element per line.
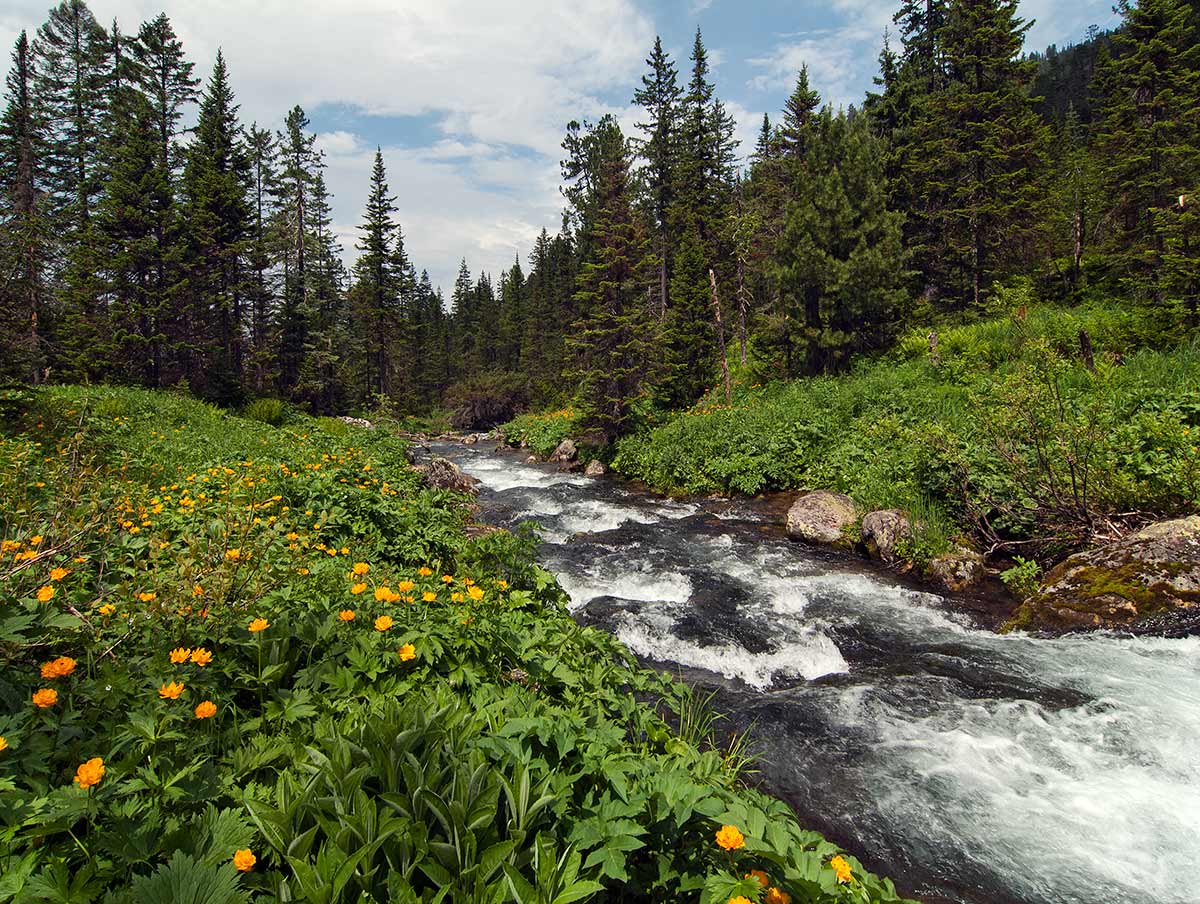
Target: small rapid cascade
<point x="969" y="766"/>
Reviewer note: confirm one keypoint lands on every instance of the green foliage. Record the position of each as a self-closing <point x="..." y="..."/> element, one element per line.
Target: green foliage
<point x="1023" y="578"/>
<point x="542" y="432"/>
<point x="271" y="412"/>
<point x="416" y="717"/>
<point x="1002" y="433"/>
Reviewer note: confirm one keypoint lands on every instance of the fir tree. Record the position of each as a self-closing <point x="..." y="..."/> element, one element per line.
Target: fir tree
<point x="659" y="96"/>
<point x="613" y="339"/>
<point x="797" y="114"/>
<point x="167" y="79"/>
<point x="377" y="280"/>
<point x="24" y="234"/>
<point x="218" y="223"/>
<point x="260" y="277"/>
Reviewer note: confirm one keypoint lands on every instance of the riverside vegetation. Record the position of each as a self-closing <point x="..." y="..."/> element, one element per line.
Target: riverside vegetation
<point x="252" y="662"/>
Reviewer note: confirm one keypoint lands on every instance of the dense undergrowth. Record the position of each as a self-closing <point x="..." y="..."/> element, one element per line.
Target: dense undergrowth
<point x="241" y="662"/>
<point x="1004" y="435"/>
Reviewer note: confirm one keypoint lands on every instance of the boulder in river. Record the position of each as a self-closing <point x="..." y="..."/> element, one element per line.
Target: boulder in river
<point x="595" y="468"/>
<point x="957" y="570"/>
<point x="1147" y="581"/>
<point x="566" y="451"/>
<point x="531" y="460"/>
<point x="446" y="475"/>
<point x="821" y="517"/>
<point x="882" y="531"/>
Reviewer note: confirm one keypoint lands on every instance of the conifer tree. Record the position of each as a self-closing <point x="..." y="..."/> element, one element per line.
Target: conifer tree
<point x="166" y="77"/>
<point x="797" y="114"/>
<point x="299" y="163"/>
<point x="24" y="233"/>
<point x="1149" y="133"/>
<point x="613" y="342"/>
<point x="377" y="281"/>
<point x="659" y="96"/>
<point x="260" y="276"/>
<point x="978" y="153"/>
<point x="215" y="180"/>
<point x="689" y="343"/>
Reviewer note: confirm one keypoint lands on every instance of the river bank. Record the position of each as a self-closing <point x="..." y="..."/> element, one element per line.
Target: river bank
<point x="971" y="766"/>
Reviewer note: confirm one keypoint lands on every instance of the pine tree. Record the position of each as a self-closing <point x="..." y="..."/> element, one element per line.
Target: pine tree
<point x="659" y="96"/>
<point x="840" y="260"/>
<point x="299" y="162"/>
<point x="24" y="234"/>
<point x="260" y="276"/>
<point x="797" y="114"/>
<point x="378" y="283"/>
<point x="613" y="339"/>
<point x="130" y="236"/>
<point x="167" y="79"/>
<point x="215" y="180"/>
<point x="71" y="91"/>
<point x="978" y="152"/>
<point x="1149" y="132"/>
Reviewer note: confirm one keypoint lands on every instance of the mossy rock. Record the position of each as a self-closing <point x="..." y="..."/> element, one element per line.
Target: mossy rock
<point x="1149" y="576"/>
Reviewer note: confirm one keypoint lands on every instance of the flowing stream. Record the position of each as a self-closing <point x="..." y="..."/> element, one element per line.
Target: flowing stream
<point x="969" y="766"/>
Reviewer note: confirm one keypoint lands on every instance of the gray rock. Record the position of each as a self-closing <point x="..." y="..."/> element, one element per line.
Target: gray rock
<point x="357" y="422"/>
<point x="1151" y="575"/>
<point x="470" y="439"/>
<point x="882" y="530"/>
<point x="821" y="517"/>
<point x="958" y="570"/>
<point x="566" y="451"/>
<point x="446" y="475"/>
<point x="531" y="460"/>
<point x="595" y="468"/>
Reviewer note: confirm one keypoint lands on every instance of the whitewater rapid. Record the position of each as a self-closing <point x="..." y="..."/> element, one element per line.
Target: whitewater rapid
<point x="970" y="766"/>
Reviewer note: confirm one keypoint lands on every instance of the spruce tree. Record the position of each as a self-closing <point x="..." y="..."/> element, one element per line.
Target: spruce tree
<point x="689" y="343"/>
<point x="1148" y="136"/>
<point x="25" y="247"/>
<point x="215" y="180"/>
<point x="613" y="340"/>
<point x="166" y="78"/>
<point x="797" y="114"/>
<point x="659" y="96"/>
<point x="978" y="153"/>
<point x="378" y="283"/>
<point x="260" y="273"/>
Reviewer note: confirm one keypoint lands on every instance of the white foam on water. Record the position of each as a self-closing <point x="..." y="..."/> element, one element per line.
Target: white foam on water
<point x="804" y="654"/>
<point x="1092" y="803"/>
<point x="637" y="582"/>
<point x="502" y="474"/>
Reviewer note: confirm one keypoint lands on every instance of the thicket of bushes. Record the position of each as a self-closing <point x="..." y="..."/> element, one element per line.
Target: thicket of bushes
<point x="1005" y="432"/>
<point x="242" y="662"/>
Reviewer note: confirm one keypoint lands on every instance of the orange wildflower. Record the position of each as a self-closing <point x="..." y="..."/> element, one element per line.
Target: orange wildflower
<point x="475" y="593"/>
<point x="428" y="596"/>
<point x="3" y="743"/>
<point x="842" y="868"/>
<point x="171" y="691"/>
<point x="45" y="697"/>
<point x="360" y="568"/>
<point x="45" y="594"/>
<point x="180" y="654"/>
<point x="57" y="574"/>
<point x="405" y="586"/>
<point x="730" y="838"/>
<point x="108" y="609"/>
<point x="244" y="860"/>
<point x="147" y="597"/>
<point x="206" y="709"/>
<point x="89" y="773"/>
<point x="58" y="668"/>
<point x="424" y="572"/>
<point x="776" y="896"/>
<point x="233" y="554"/>
<point x="358" y="588"/>
<point x="407" y="652"/>
<point x="346" y="615"/>
<point x="383" y="623"/>
<point x="759" y="876"/>
<point x="259" y="624"/>
<point x="201" y="656"/>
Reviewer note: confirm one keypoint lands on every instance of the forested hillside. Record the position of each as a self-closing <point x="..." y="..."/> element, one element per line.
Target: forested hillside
<point x="139" y="251"/>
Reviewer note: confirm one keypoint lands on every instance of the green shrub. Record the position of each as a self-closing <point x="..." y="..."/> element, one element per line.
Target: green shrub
<point x="272" y="412"/>
<point x="541" y="432"/>
<point x="276" y="642"/>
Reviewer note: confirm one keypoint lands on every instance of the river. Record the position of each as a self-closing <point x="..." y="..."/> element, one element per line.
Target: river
<point x="968" y="766"/>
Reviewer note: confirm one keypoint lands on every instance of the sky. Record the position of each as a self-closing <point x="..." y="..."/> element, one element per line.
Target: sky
<point x="468" y="99"/>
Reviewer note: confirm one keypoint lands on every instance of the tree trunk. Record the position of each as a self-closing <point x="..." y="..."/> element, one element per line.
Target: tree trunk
<point x="716" y="303"/>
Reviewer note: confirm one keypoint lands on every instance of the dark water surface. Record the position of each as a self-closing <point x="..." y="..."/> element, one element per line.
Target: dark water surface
<point x="968" y="766"/>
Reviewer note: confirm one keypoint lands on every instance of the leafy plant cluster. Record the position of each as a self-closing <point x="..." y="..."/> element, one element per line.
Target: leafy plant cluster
<point x="251" y="663"/>
<point x="1000" y="432"/>
<point x="542" y="432"/>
